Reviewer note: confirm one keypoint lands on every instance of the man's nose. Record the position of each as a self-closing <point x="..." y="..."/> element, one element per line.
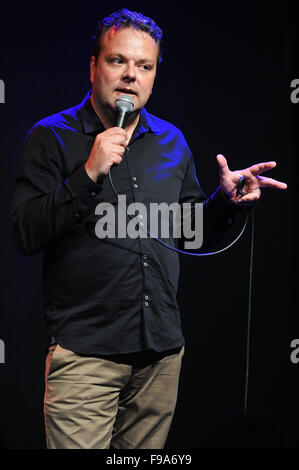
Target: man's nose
<point x="129" y="74"/>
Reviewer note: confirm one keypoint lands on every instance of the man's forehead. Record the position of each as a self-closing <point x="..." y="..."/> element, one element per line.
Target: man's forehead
<point x="123" y="36"/>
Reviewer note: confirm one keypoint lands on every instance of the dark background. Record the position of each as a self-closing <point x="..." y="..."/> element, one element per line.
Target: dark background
<point x="225" y="82"/>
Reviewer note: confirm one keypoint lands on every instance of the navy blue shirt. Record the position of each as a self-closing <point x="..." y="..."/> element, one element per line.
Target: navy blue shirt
<point x="114" y="295"/>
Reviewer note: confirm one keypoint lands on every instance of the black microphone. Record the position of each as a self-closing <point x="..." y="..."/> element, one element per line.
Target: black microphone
<point x="124" y="106"/>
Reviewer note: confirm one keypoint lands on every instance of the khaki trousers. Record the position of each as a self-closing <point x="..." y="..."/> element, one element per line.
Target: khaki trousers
<point x="95" y="403"/>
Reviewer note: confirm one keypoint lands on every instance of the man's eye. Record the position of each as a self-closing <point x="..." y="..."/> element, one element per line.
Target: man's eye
<point x="116" y="60"/>
<point x="146" y="66"/>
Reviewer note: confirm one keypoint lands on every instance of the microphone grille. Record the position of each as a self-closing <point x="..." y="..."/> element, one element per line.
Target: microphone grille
<point x="125" y="102"/>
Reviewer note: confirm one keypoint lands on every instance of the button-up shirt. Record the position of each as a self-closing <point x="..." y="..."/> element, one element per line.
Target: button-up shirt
<point x="106" y="295"/>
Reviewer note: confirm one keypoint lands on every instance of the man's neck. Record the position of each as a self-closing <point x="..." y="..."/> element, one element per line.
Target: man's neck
<point x="108" y="118"/>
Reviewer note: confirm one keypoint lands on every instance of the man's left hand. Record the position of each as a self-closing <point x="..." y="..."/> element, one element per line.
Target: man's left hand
<point x="253" y="181"/>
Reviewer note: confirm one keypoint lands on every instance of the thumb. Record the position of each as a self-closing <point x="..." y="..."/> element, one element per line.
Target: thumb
<point x="222" y="163"/>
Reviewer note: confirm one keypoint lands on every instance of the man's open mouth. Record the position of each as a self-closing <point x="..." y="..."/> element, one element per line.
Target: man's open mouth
<point x="126" y="91"/>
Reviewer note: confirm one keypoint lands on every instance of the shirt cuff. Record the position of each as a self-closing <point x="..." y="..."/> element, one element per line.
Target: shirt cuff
<point x="79" y="183"/>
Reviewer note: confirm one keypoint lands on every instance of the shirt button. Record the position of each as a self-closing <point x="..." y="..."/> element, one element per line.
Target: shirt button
<point x="146" y="297"/>
<point x="93" y="193"/>
<point x="146" y="304"/>
<point x="128" y="149"/>
<point x="134" y="178"/>
<point x="144" y="256"/>
<point x="145" y="264"/>
<point x="135" y="185"/>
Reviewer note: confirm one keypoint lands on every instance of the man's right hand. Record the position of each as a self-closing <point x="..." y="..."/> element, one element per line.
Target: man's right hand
<point x="108" y="148"/>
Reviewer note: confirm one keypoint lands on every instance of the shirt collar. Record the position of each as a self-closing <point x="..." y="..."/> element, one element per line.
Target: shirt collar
<point x="92" y="123"/>
<point x="146" y="123"/>
<point x="90" y="120"/>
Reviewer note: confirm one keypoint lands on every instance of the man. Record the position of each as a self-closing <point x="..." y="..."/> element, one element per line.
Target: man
<point x="112" y="370"/>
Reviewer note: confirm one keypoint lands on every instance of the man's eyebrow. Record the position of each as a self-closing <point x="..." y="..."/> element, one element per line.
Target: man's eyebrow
<point x="146" y="60"/>
<point x="116" y="53"/>
<point x="121" y="56"/>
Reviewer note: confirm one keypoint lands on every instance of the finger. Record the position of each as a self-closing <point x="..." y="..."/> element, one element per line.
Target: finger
<point x="260" y="168"/>
<point x="271" y="183"/>
<point x="113" y="132"/>
<point x="116" y="130"/>
<point x="222" y="164"/>
<point x="117" y="149"/>
<point x="249" y="198"/>
<point x="117" y="160"/>
<point x="121" y="133"/>
<point x="118" y="140"/>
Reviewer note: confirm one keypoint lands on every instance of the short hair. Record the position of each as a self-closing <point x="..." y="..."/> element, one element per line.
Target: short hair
<point x="124" y="19"/>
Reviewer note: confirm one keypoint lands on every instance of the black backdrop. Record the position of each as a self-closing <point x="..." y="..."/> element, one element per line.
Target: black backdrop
<point x="225" y="82"/>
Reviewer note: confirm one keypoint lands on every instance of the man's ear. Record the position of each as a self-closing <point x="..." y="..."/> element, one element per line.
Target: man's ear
<point x="92" y="66"/>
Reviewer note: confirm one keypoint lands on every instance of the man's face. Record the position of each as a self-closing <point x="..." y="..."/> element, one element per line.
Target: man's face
<point x="126" y="65"/>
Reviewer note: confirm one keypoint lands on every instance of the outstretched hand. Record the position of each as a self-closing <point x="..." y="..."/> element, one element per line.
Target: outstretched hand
<point x="253" y="181"/>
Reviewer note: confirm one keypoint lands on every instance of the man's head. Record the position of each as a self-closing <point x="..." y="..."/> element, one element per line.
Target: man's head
<point x="126" y="51"/>
<point x="127" y="19"/>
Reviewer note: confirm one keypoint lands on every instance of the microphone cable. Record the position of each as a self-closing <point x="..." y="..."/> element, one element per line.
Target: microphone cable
<point x="249" y="313"/>
<point x="172" y="247"/>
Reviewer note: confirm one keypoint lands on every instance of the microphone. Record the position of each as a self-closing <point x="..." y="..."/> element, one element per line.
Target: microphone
<point x="124" y="106"/>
